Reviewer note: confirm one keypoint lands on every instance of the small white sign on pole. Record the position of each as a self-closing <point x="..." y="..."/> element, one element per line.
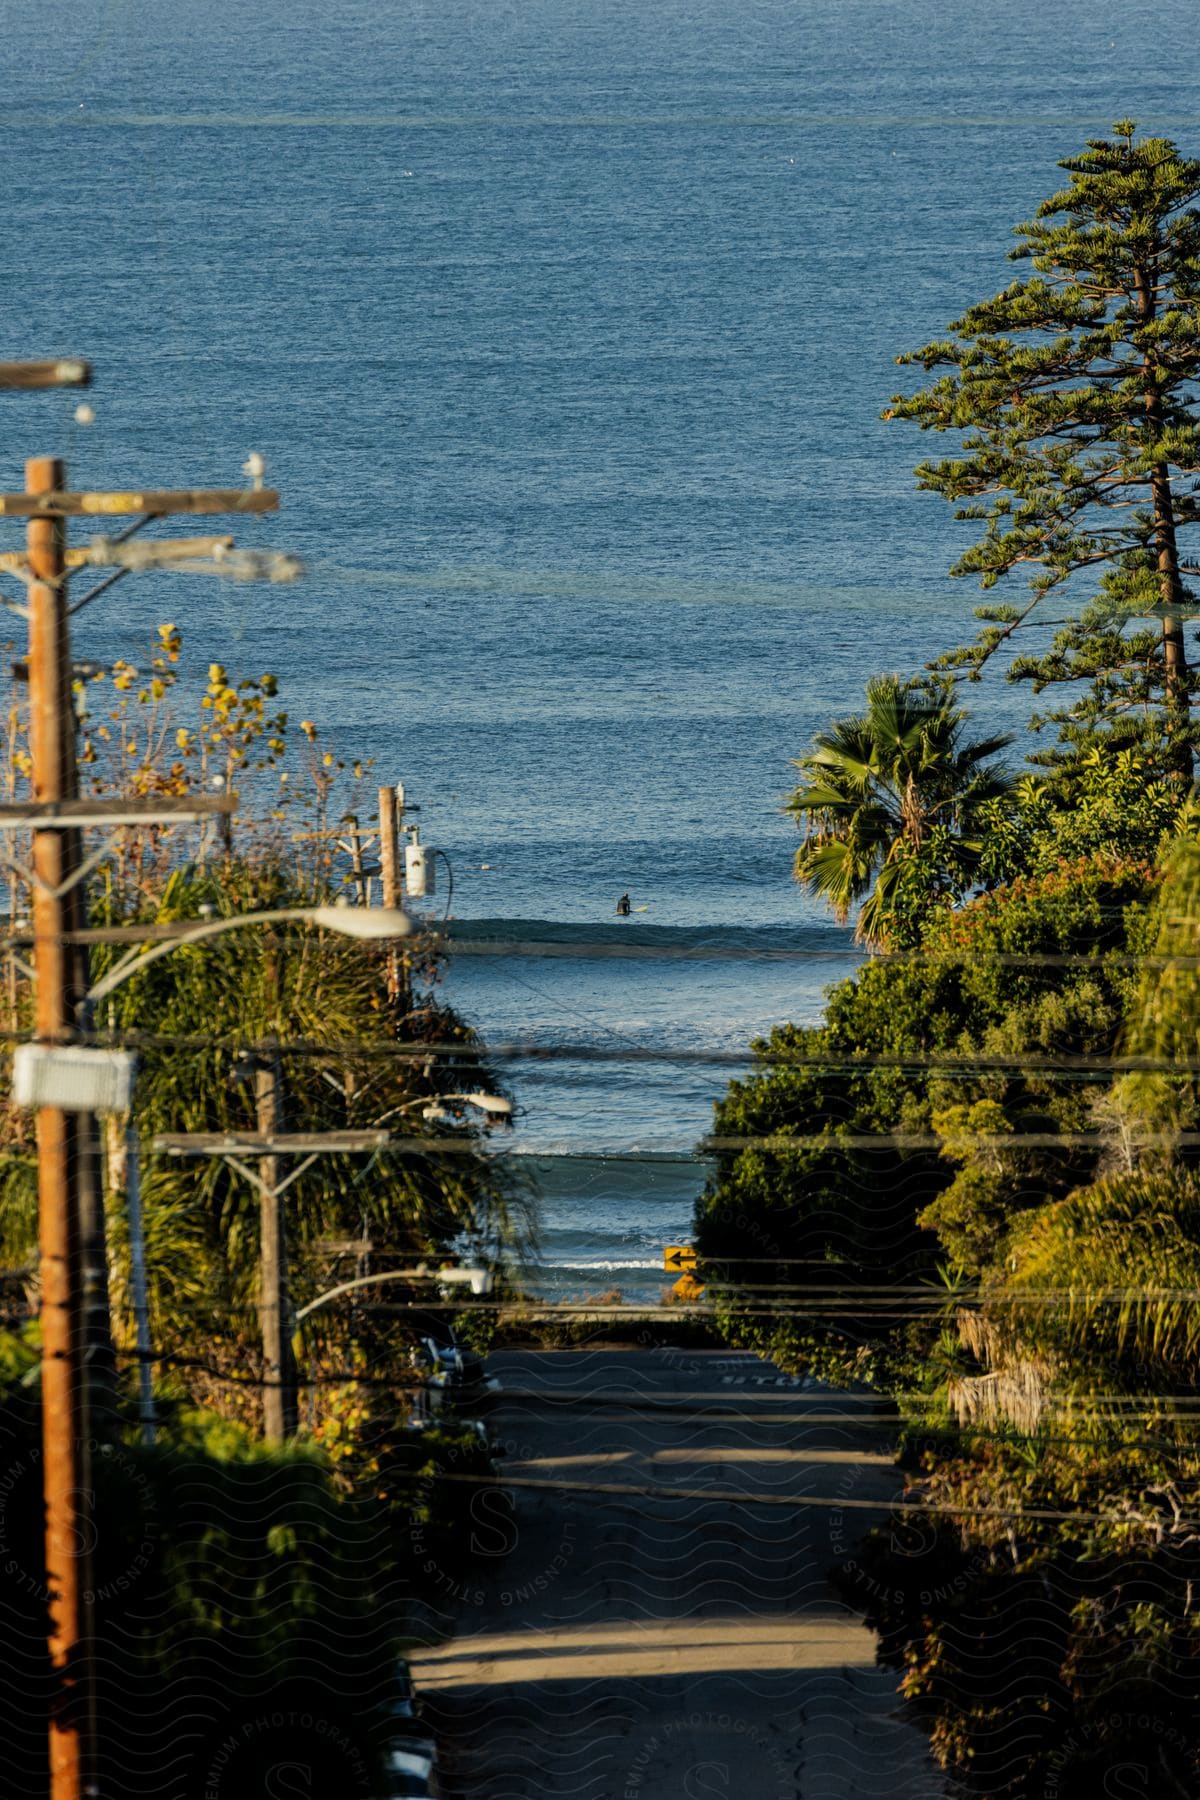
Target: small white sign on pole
<point x="73" y="1078"/>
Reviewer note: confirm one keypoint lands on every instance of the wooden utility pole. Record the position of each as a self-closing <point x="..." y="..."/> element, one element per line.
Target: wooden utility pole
<point x="269" y="1145"/>
<point x="56" y="857"/>
<point x="356" y="858"/>
<point x="279" y="1371"/>
<point x="73" y="1268"/>
<point x="389" y="865"/>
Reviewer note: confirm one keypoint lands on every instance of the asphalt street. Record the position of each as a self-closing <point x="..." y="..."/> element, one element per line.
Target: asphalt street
<point x="683" y="1644"/>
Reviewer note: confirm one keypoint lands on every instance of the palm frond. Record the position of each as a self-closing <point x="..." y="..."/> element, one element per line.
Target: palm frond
<point x="881" y="779"/>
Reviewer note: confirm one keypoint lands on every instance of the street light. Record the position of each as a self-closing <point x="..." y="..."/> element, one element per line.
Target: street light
<point x="493" y="1106"/>
<point x="478" y="1280"/>
<point x="80" y="1079"/>
<point x="369" y="923"/>
<point x="66" y="371"/>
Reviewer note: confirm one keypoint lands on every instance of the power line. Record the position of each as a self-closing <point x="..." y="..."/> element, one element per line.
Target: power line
<point x="417" y="1053"/>
<point x="602" y="950"/>
<point x="716" y="1405"/>
<point x="716" y="1495"/>
<point x="792" y="1502"/>
<point x="1180" y="1405"/>
<point x="256" y="1383"/>
<point x="931" y="1294"/>
<point x="783" y="1143"/>
<point x="564" y="1006"/>
<point x="458" y="943"/>
<point x="601" y="1312"/>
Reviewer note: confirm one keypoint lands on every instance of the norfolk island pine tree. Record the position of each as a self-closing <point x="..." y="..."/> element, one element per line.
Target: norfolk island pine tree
<point x="1076" y="393"/>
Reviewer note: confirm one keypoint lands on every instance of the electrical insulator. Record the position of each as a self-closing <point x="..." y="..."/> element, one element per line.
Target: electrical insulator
<point x="419" y="880"/>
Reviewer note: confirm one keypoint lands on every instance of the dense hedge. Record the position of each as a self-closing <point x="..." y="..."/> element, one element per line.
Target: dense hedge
<point x="233" y="1583"/>
<point x="1042" y="1613"/>
<point x="910" y="1047"/>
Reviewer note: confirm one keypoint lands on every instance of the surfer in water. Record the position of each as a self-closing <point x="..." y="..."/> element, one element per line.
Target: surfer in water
<point x="623" y="907"/>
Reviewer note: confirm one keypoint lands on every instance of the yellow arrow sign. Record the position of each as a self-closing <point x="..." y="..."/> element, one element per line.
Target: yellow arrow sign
<point x="679" y="1256"/>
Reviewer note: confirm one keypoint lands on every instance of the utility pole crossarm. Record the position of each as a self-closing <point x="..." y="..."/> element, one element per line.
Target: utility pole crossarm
<point x="257" y="1143"/>
<point x="270" y="1143"/>
<point x="154" y="809"/>
<point x="67" y="371"/>
<point x="55" y="505"/>
<point x="107" y="553"/>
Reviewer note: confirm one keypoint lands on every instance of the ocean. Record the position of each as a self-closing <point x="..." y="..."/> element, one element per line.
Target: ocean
<point x="564" y="329"/>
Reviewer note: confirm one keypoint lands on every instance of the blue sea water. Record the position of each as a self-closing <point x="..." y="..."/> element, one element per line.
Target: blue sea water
<point x="565" y="328"/>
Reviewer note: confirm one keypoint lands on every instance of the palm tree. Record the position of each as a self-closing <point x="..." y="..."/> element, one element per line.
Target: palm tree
<point x="898" y="779"/>
<point x="207" y="1003"/>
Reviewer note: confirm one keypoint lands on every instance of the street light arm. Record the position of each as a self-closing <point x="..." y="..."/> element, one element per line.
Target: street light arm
<point x="491" y="1105"/>
<point x="479" y="1280"/>
<point x="137" y="960"/>
<point x="386" y="922"/>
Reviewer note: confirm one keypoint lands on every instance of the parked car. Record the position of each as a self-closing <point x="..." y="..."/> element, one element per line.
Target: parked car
<point x="410" y="1775"/>
<point x="412" y="1734"/>
<point x="454" y="1378"/>
<point x="411" y="1757"/>
<point x="403" y="1715"/>
<point x="402" y="1701"/>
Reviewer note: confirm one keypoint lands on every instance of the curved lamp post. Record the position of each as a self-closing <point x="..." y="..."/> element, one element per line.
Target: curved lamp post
<point x="478" y="1280"/>
<point x="369" y="923"/>
<point x="494" y="1107"/>
<point x="79" y="1079"/>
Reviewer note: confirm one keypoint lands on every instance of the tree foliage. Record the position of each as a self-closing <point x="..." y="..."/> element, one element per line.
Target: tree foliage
<point x="896" y="787"/>
<point x="1074" y="394"/>
<point x="196" y="1015"/>
<point x="203" y="1011"/>
<point x="1044" y="1625"/>
<point x="231" y="1579"/>
<point x="976" y="1184"/>
<point x="941" y="1054"/>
